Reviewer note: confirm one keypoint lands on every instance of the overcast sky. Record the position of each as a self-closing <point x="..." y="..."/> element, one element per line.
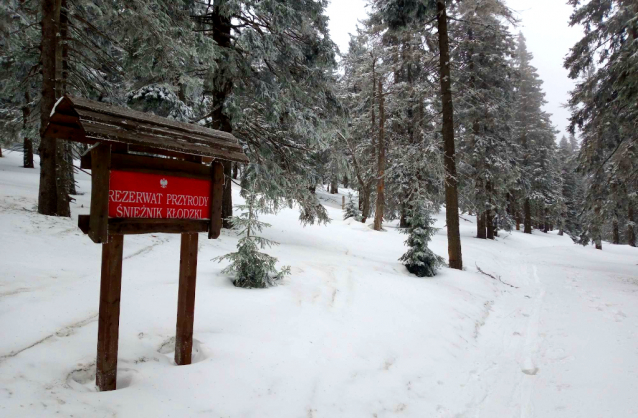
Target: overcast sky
<point x="543" y="22"/>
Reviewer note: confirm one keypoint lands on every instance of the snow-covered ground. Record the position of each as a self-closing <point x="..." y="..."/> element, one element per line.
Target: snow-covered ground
<point x="349" y="334"/>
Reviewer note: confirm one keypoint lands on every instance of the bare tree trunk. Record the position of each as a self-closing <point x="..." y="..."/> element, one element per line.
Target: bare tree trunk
<point x="28" y="153"/>
<point x="615" y="232"/>
<point x="378" y="213"/>
<point x="64" y="65"/>
<point x="62" y="159"/>
<point x="481" y="231"/>
<point x="235" y="171"/>
<point x="451" y="191"/>
<point x="47" y="194"/>
<point x="365" y="206"/>
<point x="489" y="223"/>
<point x="489" y="213"/>
<point x="334" y="185"/>
<point x="222" y="88"/>
<point x="527" y="207"/>
<point x="227" y="197"/>
<point x="547" y="223"/>
<point x="71" y="175"/>
<point x="27" y="146"/>
<point x="631" y="232"/>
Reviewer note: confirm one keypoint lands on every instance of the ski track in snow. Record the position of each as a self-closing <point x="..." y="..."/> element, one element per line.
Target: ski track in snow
<point x="349" y="334"/>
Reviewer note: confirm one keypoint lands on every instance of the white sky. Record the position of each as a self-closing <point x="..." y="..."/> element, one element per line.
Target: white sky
<point x="543" y="22"/>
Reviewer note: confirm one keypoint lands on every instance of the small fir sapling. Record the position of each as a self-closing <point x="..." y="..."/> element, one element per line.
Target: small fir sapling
<point x="251" y="268"/>
<point x="352" y="210"/>
<point x="419" y="259"/>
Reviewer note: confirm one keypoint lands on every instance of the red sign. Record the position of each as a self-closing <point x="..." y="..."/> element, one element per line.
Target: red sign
<point x="141" y="195"/>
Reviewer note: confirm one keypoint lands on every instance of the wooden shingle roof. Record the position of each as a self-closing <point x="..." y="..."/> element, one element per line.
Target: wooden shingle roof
<point x="87" y="121"/>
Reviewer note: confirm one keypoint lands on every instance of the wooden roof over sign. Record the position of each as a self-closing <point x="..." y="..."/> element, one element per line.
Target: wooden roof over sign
<point x="87" y="121"/>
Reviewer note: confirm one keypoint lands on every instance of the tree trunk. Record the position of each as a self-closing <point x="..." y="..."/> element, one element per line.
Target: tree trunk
<point x="451" y="192"/>
<point x="365" y="207"/>
<point x="380" y="207"/>
<point x="615" y="232"/>
<point x="527" y="208"/>
<point x="235" y="171"/>
<point x="63" y="63"/>
<point x="631" y="232"/>
<point x="489" y="223"/>
<point x="63" y="162"/>
<point x="599" y="243"/>
<point x="481" y="231"/>
<point x="28" y="153"/>
<point x="47" y="194"/>
<point x="27" y="146"/>
<point x="70" y="173"/>
<point x="334" y="186"/>
<point x="547" y="224"/>
<point x="227" y="198"/>
<point x="222" y="87"/>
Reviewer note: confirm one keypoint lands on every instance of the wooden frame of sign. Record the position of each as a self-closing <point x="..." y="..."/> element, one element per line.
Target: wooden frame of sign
<point x="148" y="175"/>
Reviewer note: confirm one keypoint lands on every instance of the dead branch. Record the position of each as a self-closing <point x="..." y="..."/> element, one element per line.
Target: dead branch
<point x="493" y="277"/>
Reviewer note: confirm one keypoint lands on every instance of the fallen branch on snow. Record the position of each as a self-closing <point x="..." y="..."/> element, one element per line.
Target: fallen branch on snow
<point x="495" y="278"/>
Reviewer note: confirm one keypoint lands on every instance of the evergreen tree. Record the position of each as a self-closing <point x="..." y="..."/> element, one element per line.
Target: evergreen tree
<point x="272" y="85"/>
<point x="485" y="85"/>
<point x="419" y="259"/>
<point x="537" y="187"/>
<point x="603" y="108"/>
<point x="351" y="210"/>
<point x="251" y="268"/>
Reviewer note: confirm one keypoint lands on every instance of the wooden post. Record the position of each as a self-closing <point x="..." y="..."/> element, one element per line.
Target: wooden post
<point x="343" y="202"/>
<point x="100" y="166"/>
<point x="186" y="299"/>
<point x="109" y="320"/>
<point x="216" y="195"/>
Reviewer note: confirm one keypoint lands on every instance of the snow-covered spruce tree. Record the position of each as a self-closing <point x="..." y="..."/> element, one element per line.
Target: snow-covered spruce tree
<point x="272" y="86"/>
<point x="419" y="259"/>
<point x="485" y="83"/>
<point x="358" y="93"/>
<point x="19" y="77"/>
<point x="568" y="219"/>
<point x="537" y="188"/>
<point x="352" y="209"/>
<point x="250" y="267"/>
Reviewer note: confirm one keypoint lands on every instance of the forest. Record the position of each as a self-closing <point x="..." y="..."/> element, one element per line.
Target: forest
<point x="434" y="104"/>
<point x="419" y="236"/>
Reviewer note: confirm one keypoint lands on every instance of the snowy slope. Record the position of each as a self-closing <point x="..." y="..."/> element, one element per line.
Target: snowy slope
<point x="349" y="334"/>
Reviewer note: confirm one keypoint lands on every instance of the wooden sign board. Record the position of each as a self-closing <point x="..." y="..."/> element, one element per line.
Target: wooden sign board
<point x="147" y="176"/>
<point x="157" y="196"/>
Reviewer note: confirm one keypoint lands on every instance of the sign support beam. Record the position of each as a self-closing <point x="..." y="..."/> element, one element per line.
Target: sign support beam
<point x="109" y="319"/>
<point x="186" y="299"/>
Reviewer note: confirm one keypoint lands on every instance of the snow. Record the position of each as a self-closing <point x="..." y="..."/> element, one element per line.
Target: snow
<point x="55" y="106"/>
<point x="349" y="334"/>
